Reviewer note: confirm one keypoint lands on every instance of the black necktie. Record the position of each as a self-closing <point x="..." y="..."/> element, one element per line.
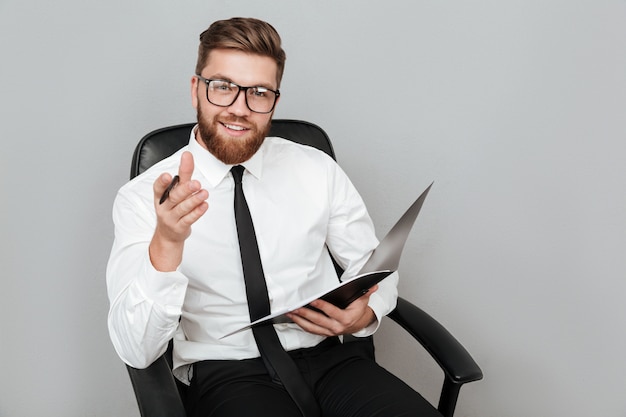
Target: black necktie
<point x="279" y="364"/>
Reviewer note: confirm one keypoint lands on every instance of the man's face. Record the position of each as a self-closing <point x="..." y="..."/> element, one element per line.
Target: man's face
<point x="234" y="133"/>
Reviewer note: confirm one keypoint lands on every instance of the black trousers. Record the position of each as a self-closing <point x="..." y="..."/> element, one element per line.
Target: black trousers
<point x="345" y="379"/>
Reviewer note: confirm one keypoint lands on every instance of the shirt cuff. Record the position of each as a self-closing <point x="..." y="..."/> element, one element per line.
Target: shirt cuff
<point x="166" y="289"/>
<point x="380" y="309"/>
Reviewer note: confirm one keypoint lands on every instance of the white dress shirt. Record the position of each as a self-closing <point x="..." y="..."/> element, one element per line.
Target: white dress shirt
<point x="301" y="202"/>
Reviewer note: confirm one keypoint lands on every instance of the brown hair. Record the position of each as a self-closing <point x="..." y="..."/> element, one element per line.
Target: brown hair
<point x="243" y="34"/>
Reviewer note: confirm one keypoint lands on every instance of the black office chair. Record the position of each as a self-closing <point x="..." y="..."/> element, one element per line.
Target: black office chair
<point x="159" y="394"/>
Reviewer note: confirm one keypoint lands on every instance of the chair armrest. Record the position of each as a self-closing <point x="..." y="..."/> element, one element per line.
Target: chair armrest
<point x="456" y="362"/>
<point x="156" y="391"/>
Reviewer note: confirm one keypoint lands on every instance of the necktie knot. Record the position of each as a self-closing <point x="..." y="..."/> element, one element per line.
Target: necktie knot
<point x="237" y="172"/>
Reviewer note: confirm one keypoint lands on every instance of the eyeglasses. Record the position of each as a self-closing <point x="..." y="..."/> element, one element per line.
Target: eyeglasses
<point x="224" y="93"/>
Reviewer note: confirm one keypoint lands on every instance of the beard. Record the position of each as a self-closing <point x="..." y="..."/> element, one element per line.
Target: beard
<point x="231" y="151"/>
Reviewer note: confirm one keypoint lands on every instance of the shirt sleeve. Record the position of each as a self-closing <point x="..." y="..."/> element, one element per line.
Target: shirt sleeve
<point x="351" y="240"/>
<point x="145" y="304"/>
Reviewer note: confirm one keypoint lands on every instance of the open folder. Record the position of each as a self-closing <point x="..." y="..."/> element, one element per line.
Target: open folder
<point x="383" y="261"/>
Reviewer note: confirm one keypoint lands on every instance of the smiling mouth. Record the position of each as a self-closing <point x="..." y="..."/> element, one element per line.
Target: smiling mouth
<point x="234" y="127"/>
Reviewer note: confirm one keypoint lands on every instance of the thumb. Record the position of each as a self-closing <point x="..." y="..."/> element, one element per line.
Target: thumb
<point x="161" y="184"/>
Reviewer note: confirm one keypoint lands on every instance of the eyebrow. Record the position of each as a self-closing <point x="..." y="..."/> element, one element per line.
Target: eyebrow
<point x="230" y="80"/>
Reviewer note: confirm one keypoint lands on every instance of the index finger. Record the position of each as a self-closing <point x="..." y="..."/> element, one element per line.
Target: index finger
<point x="185" y="169"/>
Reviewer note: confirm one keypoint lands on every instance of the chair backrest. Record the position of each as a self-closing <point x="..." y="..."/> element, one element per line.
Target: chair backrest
<point x="161" y="143"/>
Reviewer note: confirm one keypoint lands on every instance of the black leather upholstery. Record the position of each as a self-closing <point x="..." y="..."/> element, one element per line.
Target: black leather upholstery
<point x="157" y="391"/>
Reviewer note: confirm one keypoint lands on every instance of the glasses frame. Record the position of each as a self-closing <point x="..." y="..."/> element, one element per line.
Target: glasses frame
<point x="240" y="88"/>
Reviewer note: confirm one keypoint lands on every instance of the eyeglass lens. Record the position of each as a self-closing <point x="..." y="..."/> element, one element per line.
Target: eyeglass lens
<point x="224" y="93"/>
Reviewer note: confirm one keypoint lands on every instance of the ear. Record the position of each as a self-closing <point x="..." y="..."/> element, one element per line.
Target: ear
<point x="276" y="104"/>
<point x="194" y="91"/>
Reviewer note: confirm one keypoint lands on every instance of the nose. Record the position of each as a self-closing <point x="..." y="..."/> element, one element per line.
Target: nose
<point x="239" y="107"/>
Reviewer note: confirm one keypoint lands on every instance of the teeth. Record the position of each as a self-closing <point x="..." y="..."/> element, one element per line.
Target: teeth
<point x="233" y="127"/>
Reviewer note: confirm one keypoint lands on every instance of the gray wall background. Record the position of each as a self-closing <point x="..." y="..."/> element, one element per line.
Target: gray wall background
<point x="516" y="109"/>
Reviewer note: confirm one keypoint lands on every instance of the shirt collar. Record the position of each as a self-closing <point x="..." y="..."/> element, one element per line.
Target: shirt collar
<point x="215" y="170"/>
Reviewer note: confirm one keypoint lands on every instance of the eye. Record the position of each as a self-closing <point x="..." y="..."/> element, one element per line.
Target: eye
<point x="259" y="92"/>
<point x="222" y="86"/>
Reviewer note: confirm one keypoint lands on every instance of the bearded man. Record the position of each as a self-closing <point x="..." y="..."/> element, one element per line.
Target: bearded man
<point x="176" y="271"/>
